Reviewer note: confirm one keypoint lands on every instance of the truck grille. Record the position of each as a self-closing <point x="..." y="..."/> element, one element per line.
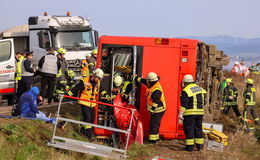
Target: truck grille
<point x="75" y="65"/>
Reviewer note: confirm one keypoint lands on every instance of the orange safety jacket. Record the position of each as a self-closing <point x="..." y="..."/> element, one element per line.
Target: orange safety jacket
<point x="84" y="68"/>
<point x="150" y="103"/>
<point x="89" y="93"/>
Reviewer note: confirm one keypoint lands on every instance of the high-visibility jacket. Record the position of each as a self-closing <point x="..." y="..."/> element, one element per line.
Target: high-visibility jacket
<point x="154" y="107"/>
<point x="250" y="96"/>
<point x="230" y="91"/>
<point x="84" y="68"/>
<point x="89" y="93"/>
<point x="19" y="69"/>
<point x="193" y="103"/>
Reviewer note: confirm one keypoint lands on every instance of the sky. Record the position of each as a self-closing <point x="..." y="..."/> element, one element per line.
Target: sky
<point x="153" y="18"/>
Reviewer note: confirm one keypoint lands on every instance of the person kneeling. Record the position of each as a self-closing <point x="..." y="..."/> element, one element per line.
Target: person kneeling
<point x="28" y="106"/>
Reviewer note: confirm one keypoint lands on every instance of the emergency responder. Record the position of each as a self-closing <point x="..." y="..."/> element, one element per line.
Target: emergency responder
<point x="89" y="87"/>
<point x="27" y="71"/>
<point x="250" y="101"/>
<point x="49" y="67"/>
<point x="89" y="64"/>
<point x="122" y="87"/>
<point x="18" y="74"/>
<point x="65" y="83"/>
<point x="156" y="105"/>
<point x="61" y="77"/>
<point x="62" y="62"/>
<point x="191" y="112"/>
<point x="230" y="95"/>
<point x="19" y="58"/>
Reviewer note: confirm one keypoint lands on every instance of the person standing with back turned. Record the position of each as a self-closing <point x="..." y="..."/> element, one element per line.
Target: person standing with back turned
<point x="191" y="112"/>
<point x="49" y="67"/>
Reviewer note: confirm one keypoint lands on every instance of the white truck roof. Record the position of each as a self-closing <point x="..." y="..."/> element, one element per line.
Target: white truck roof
<point x="17" y="31"/>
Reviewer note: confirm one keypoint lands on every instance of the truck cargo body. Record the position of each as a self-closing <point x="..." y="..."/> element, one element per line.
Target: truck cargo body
<point x="170" y="58"/>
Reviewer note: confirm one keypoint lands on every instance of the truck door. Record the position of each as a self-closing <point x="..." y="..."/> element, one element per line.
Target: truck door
<point x="7" y="67"/>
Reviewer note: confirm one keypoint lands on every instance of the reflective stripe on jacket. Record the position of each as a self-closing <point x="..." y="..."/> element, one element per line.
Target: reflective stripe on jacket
<point x="89" y="93"/>
<point x="250" y="96"/>
<point x="150" y="103"/>
<point x="19" y="69"/>
<point x="230" y="91"/>
<point x="196" y="100"/>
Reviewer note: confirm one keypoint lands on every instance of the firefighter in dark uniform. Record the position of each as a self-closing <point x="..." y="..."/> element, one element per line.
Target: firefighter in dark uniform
<point x="250" y="101"/>
<point x="66" y="82"/>
<point x="89" y="87"/>
<point x="122" y="87"/>
<point x="191" y="112"/>
<point x="156" y="104"/>
<point x="230" y="95"/>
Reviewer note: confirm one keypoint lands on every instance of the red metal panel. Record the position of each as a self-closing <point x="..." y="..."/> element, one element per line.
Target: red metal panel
<point x="164" y="62"/>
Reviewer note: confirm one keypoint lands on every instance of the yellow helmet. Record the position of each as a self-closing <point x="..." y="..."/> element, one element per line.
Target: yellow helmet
<point x="61" y="51"/>
<point x="70" y="73"/>
<point x="249" y="81"/>
<point x="229" y="80"/>
<point x="94" y="51"/>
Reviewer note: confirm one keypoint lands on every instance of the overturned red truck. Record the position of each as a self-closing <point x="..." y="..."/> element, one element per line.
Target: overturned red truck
<point x="171" y="59"/>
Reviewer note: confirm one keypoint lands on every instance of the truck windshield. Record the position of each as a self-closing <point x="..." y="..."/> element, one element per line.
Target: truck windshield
<point x="74" y="40"/>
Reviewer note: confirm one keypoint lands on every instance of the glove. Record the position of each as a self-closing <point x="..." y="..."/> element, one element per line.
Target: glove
<point x="108" y="97"/>
<point x="133" y="77"/>
<point x="181" y="117"/>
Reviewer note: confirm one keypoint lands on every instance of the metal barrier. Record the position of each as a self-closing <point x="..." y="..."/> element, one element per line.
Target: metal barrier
<point x="88" y="147"/>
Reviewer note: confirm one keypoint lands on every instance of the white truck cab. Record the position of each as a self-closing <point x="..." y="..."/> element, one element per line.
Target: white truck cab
<point x="7" y="67"/>
<point x="73" y="33"/>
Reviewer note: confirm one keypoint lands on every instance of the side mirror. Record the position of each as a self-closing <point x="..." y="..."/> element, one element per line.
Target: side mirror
<point x="96" y="38"/>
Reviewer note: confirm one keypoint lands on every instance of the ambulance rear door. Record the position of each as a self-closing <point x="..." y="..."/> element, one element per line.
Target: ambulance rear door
<point x="7" y="67"/>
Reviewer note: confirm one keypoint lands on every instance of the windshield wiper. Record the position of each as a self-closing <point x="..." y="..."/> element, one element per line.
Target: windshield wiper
<point x="68" y="48"/>
<point x="88" y="48"/>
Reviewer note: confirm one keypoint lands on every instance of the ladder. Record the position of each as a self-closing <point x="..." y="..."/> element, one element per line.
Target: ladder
<point x="88" y="147"/>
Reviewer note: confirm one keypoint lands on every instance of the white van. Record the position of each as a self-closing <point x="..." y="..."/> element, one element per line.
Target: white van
<point x="7" y="68"/>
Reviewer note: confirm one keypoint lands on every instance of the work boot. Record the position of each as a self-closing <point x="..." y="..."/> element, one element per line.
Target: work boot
<point x="189" y="148"/>
<point x="152" y="141"/>
<point x="199" y="147"/>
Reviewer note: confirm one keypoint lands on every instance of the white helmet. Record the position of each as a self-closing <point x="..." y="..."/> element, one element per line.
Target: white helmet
<point x="152" y="76"/>
<point x="99" y="73"/>
<point x="88" y="55"/>
<point x="188" y="78"/>
<point x="118" y="80"/>
<point x="236" y="62"/>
